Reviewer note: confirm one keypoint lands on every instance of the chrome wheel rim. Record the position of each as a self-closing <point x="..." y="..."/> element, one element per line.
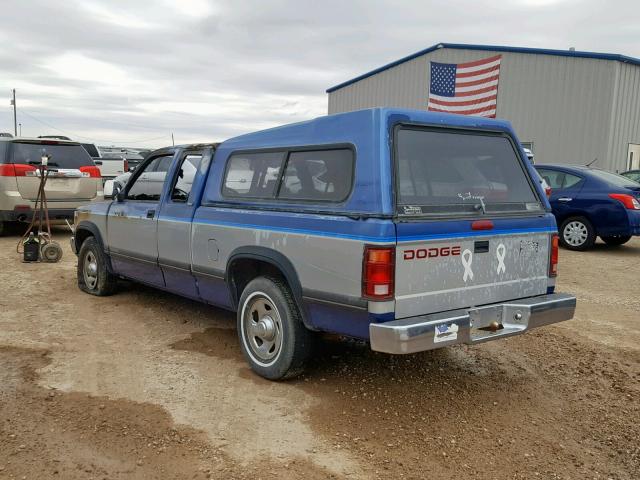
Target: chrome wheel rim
<point x="262" y="329"/>
<point x="575" y="233"/>
<point x="90" y="270"/>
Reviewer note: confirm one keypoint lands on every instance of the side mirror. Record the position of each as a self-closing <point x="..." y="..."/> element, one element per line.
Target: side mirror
<point x="113" y="189"/>
<point x="109" y="187"/>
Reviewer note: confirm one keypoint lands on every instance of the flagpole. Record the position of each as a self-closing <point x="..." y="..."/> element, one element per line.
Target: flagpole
<point x="15" y="117"/>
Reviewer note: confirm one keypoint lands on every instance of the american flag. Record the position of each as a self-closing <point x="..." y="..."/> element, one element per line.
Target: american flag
<point x="465" y="88"/>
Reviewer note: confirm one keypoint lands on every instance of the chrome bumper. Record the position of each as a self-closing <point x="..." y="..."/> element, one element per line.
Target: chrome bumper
<point x="473" y="325"/>
<point x="72" y="241"/>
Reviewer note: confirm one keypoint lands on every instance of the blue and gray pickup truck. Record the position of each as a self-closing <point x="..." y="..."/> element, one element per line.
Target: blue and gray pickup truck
<point x="412" y="230"/>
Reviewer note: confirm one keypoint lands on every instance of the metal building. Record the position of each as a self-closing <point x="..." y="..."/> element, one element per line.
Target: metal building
<point x="567" y="106"/>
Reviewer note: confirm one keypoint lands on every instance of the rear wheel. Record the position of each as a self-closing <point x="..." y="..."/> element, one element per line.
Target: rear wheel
<point x="93" y="275"/>
<point x="273" y="339"/>
<point x="577" y="233"/>
<point x="616" y="240"/>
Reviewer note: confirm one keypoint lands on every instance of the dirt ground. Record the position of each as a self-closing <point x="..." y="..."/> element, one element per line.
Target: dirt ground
<point x="148" y="385"/>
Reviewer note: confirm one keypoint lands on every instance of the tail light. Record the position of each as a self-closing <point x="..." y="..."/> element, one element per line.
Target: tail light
<point x="15" y="170"/>
<point x="629" y="201"/>
<point x="553" y="259"/>
<point x="378" y="272"/>
<point x="91" y="171"/>
<point x="126" y="165"/>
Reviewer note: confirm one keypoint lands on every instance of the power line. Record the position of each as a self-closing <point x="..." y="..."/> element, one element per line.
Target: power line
<point x="88" y="138"/>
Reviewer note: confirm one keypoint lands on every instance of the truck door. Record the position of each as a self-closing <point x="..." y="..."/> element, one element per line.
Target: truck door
<point x="174" y="222"/>
<point x="132" y="227"/>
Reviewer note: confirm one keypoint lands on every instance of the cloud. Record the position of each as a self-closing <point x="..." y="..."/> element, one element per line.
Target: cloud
<point x="124" y="71"/>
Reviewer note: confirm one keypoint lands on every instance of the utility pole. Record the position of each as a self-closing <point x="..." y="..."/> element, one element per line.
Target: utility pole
<point x="173" y="142"/>
<point x="15" y="116"/>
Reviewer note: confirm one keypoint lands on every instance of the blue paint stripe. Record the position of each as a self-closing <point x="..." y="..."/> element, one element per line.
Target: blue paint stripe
<point x="364" y="238"/>
<point x="299" y="231"/>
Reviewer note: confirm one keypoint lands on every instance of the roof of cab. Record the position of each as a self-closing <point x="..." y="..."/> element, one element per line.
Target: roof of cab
<point x="344" y="126"/>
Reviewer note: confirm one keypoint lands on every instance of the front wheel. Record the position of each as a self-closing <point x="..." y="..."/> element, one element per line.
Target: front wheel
<point x="616" y="240"/>
<point x="273" y="339"/>
<point x="93" y="275"/>
<point x="577" y="233"/>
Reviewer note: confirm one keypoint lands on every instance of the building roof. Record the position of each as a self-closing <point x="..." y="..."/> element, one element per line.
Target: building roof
<point x="492" y="48"/>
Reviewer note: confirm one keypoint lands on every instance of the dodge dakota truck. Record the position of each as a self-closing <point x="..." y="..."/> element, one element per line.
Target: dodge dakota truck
<point x="411" y="230"/>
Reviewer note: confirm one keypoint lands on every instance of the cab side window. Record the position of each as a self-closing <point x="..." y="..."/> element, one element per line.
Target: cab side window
<point x="148" y="185"/>
<point x="321" y="175"/>
<point x="253" y="175"/>
<point x="183" y="182"/>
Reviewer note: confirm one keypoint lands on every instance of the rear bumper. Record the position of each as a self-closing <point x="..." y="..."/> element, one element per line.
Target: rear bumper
<point x="26" y="214"/>
<point x="473" y="325"/>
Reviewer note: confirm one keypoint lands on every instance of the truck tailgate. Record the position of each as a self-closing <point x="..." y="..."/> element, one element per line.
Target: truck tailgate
<point x="439" y="275"/>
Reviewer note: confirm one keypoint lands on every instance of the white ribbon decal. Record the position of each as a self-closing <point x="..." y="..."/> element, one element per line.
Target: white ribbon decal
<point x="467" y="260"/>
<point x="501" y="252"/>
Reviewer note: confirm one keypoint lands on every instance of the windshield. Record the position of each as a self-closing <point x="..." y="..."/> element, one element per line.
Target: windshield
<point x="446" y="172"/>
<point x="614" y="179"/>
<point x="62" y="155"/>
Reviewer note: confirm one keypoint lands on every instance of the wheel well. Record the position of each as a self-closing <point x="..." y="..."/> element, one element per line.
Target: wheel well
<point x="242" y="270"/>
<point x="81" y="235"/>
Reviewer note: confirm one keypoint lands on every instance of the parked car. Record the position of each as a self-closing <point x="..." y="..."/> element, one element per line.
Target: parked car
<point x="73" y="180"/>
<point x="529" y="154"/>
<point x="632" y="175"/>
<point x="589" y="203"/>
<point x="442" y="236"/>
<point x="111" y="166"/>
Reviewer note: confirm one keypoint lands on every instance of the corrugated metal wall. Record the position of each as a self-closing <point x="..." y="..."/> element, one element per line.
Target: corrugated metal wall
<point x="625" y="117"/>
<point x="563" y="105"/>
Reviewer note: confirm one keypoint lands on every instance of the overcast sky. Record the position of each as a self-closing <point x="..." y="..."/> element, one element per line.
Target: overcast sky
<point x="132" y="71"/>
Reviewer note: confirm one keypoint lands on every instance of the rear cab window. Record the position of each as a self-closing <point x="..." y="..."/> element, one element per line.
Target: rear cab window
<point x="67" y="156"/>
<point x="447" y="172"/>
<point x="317" y="176"/>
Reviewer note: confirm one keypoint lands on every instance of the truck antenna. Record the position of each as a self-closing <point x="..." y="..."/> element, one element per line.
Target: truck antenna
<point x="592" y="162"/>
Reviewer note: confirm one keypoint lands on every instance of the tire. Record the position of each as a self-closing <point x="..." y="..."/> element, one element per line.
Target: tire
<point x="616" y="240"/>
<point x="273" y="338"/>
<point x="577" y="233"/>
<point x="103" y="282"/>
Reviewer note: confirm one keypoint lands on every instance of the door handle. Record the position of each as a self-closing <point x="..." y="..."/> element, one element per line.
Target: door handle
<point x="565" y="199"/>
<point x="151" y="213"/>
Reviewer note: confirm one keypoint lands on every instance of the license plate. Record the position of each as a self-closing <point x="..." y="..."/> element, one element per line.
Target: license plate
<point x="57" y="182"/>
